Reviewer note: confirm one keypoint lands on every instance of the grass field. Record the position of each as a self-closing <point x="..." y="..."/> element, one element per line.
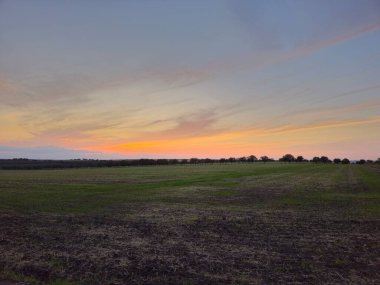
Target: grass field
<point x="257" y="223"/>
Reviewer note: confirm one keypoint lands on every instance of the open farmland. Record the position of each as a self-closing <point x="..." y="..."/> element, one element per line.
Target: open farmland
<point x="254" y="223"/>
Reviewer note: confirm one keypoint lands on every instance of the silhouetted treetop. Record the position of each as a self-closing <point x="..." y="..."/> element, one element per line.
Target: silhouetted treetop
<point x="287" y="158"/>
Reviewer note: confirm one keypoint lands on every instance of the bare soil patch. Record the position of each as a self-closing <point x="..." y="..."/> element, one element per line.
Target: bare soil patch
<point x="191" y="246"/>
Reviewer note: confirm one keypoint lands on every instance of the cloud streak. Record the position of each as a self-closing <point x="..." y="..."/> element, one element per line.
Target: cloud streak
<point x="77" y="88"/>
<point x="256" y="79"/>
<point x="218" y="143"/>
<point x="44" y="152"/>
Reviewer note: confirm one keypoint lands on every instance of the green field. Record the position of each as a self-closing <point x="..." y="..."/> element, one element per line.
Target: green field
<point x="257" y="223"/>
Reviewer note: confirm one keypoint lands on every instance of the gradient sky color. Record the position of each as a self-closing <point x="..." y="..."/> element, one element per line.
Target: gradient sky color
<point x="131" y="79"/>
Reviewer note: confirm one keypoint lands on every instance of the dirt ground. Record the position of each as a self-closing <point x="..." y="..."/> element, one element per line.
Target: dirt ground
<point x="301" y="224"/>
<point x="192" y="247"/>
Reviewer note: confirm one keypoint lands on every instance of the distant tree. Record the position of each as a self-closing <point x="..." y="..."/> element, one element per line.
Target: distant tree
<point x="378" y="160"/>
<point x="369" y="161"/>
<point x="361" y="161"/>
<point x="287" y="158"/>
<point x="162" y="161"/>
<point x="242" y="159"/>
<point x="300" y="158"/>
<point x="222" y="160"/>
<point x="194" y="160"/>
<point x="316" y="159"/>
<point x="337" y="160"/>
<point x="252" y="158"/>
<point x="232" y="159"/>
<point x="345" y="161"/>
<point x="324" y="159"/>
<point x="264" y="158"/>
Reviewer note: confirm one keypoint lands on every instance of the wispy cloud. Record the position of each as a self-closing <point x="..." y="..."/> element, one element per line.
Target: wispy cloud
<point x="44" y="152"/>
<point x="332" y="41"/>
<point x="245" y="77"/>
<point x="331" y="111"/>
<point x="223" y="141"/>
<point x="192" y="125"/>
<point x="72" y="88"/>
<point x="4" y="86"/>
<point x="325" y="124"/>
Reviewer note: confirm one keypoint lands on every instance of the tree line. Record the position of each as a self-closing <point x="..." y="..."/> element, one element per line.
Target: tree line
<point x="24" y="163"/>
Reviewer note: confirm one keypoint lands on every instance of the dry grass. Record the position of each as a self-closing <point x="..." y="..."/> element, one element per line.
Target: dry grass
<point x="273" y="225"/>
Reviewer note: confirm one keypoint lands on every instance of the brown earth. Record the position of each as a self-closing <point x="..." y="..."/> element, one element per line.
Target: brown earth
<point x="192" y="246"/>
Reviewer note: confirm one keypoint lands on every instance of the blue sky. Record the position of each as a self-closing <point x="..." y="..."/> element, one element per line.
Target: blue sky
<point x="190" y="78"/>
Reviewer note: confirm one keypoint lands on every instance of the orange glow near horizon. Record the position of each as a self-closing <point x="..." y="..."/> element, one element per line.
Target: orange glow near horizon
<point x="245" y="79"/>
<point x="270" y="142"/>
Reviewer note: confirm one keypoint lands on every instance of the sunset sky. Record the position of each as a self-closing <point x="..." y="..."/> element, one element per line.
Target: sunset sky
<point x="132" y="79"/>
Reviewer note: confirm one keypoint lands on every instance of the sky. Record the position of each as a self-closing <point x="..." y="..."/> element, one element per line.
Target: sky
<point x="180" y="79"/>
